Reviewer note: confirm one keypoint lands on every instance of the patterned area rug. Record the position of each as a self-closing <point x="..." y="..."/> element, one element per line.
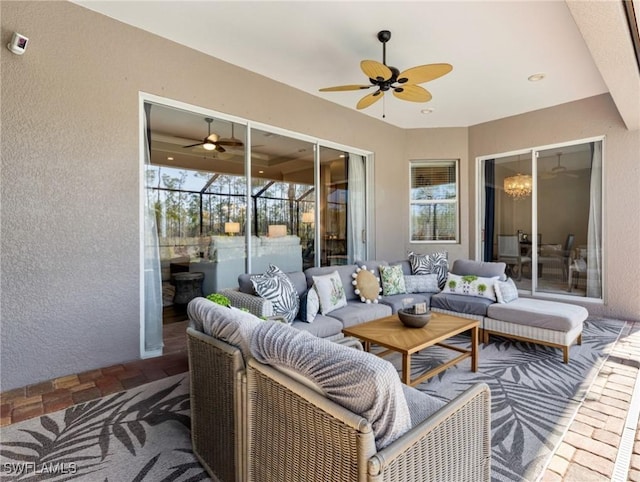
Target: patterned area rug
<point x="143" y="433"/>
<point x="140" y="434"/>
<point x="534" y="396"/>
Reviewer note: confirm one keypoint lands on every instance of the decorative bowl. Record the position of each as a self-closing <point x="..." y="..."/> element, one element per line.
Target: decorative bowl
<point x="411" y="320"/>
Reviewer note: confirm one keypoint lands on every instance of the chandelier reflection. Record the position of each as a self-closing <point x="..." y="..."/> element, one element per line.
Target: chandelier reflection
<point x="518" y="186"/>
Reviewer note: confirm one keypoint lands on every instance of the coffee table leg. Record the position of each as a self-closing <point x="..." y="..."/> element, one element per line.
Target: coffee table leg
<point x="474" y="349"/>
<point x="406" y="369"/>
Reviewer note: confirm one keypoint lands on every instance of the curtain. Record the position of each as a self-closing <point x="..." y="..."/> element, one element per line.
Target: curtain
<point x="594" y="229"/>
<point x="356" y="209"/>
<point x="152" y="273"/>
<point x="489" y="207"/>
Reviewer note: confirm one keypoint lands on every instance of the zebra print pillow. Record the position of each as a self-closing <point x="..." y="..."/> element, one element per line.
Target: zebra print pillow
<point x="276" y="287"/>
<point x="430" y="263"/>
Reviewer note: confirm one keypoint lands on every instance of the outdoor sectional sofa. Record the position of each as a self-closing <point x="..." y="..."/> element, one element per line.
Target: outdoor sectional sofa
<point x="544" y="322"/>
<point x="271" y="403"/>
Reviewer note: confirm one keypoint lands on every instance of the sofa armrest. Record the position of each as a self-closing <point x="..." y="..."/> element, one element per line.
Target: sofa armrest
<point x="256" y="305"/>
<point x="452" y="444"/>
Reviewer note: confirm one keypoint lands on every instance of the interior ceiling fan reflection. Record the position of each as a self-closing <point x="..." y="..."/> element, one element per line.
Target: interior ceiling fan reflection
<point x="558" y="170"/>
<point x="213" y="142"/>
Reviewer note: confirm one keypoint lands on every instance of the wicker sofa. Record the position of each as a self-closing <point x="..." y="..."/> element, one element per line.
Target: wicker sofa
<point x="257" y="419"/>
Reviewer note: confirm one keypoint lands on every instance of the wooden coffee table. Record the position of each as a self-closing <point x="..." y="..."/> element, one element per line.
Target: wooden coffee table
<point x="390" y="333"/>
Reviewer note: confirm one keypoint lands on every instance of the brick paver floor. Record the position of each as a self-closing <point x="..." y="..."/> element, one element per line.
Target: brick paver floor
<point x="588" y="451"/>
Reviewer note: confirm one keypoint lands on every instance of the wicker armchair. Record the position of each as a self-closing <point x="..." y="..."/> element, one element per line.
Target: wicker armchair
<point x="297" y="434"/>
<point x="217" y="372"/>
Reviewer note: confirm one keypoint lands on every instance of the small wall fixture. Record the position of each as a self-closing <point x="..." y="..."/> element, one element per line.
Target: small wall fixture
<point x="231" y="228"/>
<point x="518" y="186"/>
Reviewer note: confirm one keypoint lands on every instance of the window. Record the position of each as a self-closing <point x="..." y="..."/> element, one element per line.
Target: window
<point x="434" y="201"/>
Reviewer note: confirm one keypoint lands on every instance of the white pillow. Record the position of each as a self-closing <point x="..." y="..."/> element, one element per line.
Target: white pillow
<point x="471" y="285"/>
<point x="506" y="291"/>
<point x="330" y="292"/>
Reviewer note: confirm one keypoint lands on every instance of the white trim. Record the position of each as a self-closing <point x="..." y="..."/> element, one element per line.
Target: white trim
<point x="141" y="216"/>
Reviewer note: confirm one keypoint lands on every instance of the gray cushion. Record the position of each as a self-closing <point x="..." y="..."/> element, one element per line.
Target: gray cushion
<point x="421" y="405"/>
<point x="323" y="326"/>
<point x="344" y="271"/>
<point x="396" y="301"/>
<point x="357" y="312"/>
<point x="297" y="278"/>
<point x="471" y="305"/>
<point x="359" y="381"/>
<point x="478" y="268"/>
<point x="230" y="325"/>
<point x="406" y="266"/>
<point x="550" y="315"/>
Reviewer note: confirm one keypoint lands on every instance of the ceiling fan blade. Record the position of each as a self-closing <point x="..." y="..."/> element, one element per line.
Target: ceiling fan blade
<point x="367" y="100"/>
<point x="340" y="88"/>
<point x="424" y="73"/>
<point x="193" y="145"/>
<point x="230" y="142"/>
<point x="375" y="70"/>
<point x="220" y="149"/>
<point x="413" y="93"/>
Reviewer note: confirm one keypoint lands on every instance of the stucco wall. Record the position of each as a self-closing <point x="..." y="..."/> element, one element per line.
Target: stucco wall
<point x="595" y="116"/>
<point x="70" y="168"/>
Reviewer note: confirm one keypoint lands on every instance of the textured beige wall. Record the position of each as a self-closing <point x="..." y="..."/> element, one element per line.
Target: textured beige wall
<point x="70" y="167"/>
<point x="595" y="116"/>
<point x="69" y="147"/>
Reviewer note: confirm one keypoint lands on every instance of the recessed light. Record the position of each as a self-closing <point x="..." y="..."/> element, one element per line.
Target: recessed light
<point x="169" y="158"/>
<point x="536" y="77"/>
<point x="428" y="110"/>
<point x="260" y="172"/>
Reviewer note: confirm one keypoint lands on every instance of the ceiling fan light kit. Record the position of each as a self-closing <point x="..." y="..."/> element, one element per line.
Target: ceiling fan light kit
<point x="402" y="84"/>
<point x="213" y="142"/>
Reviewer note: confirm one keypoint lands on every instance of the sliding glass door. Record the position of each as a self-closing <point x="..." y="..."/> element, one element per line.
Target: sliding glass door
<point x="541" y="214"/>
<point x="225" y="196"/>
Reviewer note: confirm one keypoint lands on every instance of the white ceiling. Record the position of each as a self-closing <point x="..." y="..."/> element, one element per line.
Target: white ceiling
<point x="493" y="47"/>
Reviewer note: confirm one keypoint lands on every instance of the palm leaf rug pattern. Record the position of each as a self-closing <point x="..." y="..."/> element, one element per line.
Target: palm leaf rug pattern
<point x="140" y="434"/>
<point x="144" y="433"/>
<point x="534" y="395"/>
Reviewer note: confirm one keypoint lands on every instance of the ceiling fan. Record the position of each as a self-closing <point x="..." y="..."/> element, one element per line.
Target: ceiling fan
<point x="213" y="142"/>
<point x="384" y="77"/>
<point x="558" y="170"/>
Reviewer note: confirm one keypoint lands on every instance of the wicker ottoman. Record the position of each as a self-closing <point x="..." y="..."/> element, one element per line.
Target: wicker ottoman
<point x="539" y="321"/>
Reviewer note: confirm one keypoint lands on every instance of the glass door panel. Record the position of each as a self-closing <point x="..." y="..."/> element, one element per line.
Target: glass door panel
<point x="569" y="182"/>
<point x="507" y="215"/>
<point x="282" y="202"/>
<point x="342" y="207"/>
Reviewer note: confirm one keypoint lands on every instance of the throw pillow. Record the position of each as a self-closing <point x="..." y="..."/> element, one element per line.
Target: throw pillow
<point x="309" y="305"/>
<point x="392" y="280"/>
<point x="330" y="292"/>
<point x="367" y="285"/>
<point x="276" y="287"/>
<point x="423" y="283"/>
<point x="506" y="291"/>
<point x="430" y="263"/>
<point x="471" y="285"/>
